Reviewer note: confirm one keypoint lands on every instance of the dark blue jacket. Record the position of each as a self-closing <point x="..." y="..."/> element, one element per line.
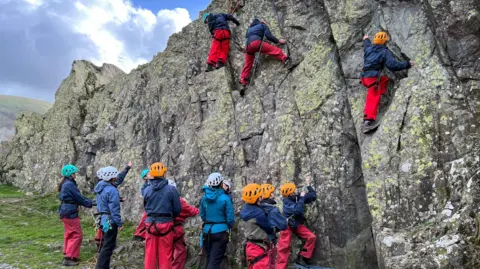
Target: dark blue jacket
<point x="108" y="202"/>
<point x="216" y="207"/>
<point x="220" y="21"/>
<point x="294" y="207"/>
<point x="145" y="185"/>
<point x="161" y="198"/>
<point x="121" y="176"/>
<point x="376" y="57"/>
<point x="257" y="30"/>
<point x="268" y="217"/>
<point x="71" y="198"/>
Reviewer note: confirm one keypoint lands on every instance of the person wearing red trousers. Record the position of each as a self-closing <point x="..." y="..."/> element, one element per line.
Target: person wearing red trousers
<point x="140" y="231"/>
<point x="162" y="205"/>
<point x="218" y="27"/>
<point x="255" y="34"/>
<point x="293" y="210"/>
<point x="260" y="223"/>
<point x="179" y="247"/>
<point x="376" y="56"/>
<point x="71" y="199"/>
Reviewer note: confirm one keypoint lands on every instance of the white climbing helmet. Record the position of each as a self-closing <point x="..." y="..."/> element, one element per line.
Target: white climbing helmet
<point x="214" y="179"/>
<point x="172" y="183"/>
<point x="227" y="183"/>
<point x="107" y="173"/>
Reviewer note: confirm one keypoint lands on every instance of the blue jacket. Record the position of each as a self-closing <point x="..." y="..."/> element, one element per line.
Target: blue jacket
<point x="376" y="57"/>
<point x="294" y="207"/>
<point x="267" y="216"/>
<point x="161" y="198"/>
<point x="216" y="207"/>
<point x="257" y="30"/>
<point x="71" y="198"/>
<point x="220" y="21"/>
<point x="145" y="185"/>
<point x="108" y="202"/>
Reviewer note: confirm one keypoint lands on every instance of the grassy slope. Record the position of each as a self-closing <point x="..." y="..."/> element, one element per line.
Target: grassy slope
<point x="14" y="104"/>
<point x="31" y="233"/>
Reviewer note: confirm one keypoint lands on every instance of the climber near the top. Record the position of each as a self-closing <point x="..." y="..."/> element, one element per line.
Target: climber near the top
<point x="376" y="57"/>
<point x="220" y="31"/>
<point x="256" y="33"/>
<point x="71" y="199"/>
<point x="162" y="205"/>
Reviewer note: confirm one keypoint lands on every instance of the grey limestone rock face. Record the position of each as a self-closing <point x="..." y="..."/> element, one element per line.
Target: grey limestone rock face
<point x="403" y="197"/>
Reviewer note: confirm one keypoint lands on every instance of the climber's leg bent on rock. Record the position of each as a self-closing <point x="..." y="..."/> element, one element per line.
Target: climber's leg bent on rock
<point x="284" y="248"/>
<point x="250" y="51"/>
<point x="179" y="248"/>
<point x="109" y="242"/>
<point x="309" y="238"/>
<point x="219" y="50"/>
<point x="215" y="246"/>
<point x="257" y="256"/>
<point x="159" y="246"/>
<point x="372" y="102"/>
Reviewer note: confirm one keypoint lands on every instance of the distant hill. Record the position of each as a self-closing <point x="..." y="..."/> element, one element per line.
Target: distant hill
<point x="10" y="106"/>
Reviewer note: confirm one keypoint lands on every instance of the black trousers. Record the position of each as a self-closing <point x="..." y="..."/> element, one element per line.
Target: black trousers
<point x="110" y="240"/>
<point x="215" y="246"/>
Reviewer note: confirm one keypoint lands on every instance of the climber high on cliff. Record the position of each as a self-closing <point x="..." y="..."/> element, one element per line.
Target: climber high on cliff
<point x="376" y="56"/>
<point x="256" y="33"/>
<point x="218" y="27"/>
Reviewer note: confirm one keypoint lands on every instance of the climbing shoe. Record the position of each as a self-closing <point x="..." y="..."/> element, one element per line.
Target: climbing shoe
<point x="302" y="261"/>
<point x="220" y="65"/>
<point x="210" y="68"/>
<point x="69" y="262"/>
<point x="370" y="126"/>
<point x="287" y="62"/>
<point x="137" y="238"/>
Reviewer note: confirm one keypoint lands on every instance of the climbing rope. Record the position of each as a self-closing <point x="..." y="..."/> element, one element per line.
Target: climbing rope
<point x="233" y="7"/>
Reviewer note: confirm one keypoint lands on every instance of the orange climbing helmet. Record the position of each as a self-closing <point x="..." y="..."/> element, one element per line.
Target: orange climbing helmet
<point x="251" y="193"/>
<point x="158" y="170"/>
<point x="287" y="189"/>
<point x="267" y="190"/>
<point x="380" y="38"/>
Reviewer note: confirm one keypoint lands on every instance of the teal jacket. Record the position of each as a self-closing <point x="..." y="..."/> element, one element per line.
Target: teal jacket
<point x="216" y="211"/>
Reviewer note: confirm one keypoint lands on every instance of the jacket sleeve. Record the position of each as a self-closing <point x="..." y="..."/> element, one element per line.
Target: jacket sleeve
<point x="310" y="196"/>
<point x="230" y="213"/>
<point x="277" y="220"/>
<point x="176" y="204"/>
<point x="145" y="185"/>
<point x="121" y="177"/>
<point x="270" y="36"/>
<point x="202" y="210"/>
<point x="394" y="65"/>
<point x="114" y="207"/>
<point x="366" y="44"/>
<point x="231" y="18"/>
<point x="189" y="209"/>
<point x="211" y="26"/>
<point x="297" y="208"/>
<point x="78" y="197"/>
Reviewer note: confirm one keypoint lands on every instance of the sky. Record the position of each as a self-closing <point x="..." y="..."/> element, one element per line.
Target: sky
<point x="39" y="39"/>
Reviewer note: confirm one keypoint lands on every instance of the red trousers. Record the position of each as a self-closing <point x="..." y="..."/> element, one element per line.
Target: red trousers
<point x="373" y="96"/>
<point x="253" y="251"/>
<point x="220" y="47"/>
<point x="159" y="249"/>
<point x="253" y="48"/>
<point x="179" y="248"/>
<point x="72" y="238"/>
<point x="284" y="244"/>
<point x="141" y="229"/>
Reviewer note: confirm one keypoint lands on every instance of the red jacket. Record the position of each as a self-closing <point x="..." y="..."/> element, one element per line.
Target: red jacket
<point x="187" y="211"/>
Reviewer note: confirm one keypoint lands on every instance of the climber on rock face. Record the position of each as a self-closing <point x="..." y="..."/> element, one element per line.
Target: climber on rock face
<point x="261" y="221"/>
<point x="140" y="232"/>
<point x="71" y="198"/>
<point x="218" y="27"/>
<point x="162" y="205"/>
<point x="218" y="217"/>
<point x="376" y="56"/>
<point x="179" y="246"/>
<point x="258" y="31"/>
<point x="293" y="210"/>
<point x="108" y="206"/>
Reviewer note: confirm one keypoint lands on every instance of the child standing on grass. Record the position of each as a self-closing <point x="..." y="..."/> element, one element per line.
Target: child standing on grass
<point x="71" y="199"/>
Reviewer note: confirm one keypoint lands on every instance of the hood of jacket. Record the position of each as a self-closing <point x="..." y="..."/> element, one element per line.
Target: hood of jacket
<point x="250" y="211"/>
<point x="211" y="194"/>
<point x="158" y="183"/>
<point x="101" y="185"/>
<point x="255" y="22"/>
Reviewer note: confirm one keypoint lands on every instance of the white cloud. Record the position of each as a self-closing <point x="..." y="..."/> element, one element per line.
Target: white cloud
<point x="45" y="36"/>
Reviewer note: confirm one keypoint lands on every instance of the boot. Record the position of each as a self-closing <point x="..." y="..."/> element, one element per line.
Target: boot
<point x="220" y="65"/>
<point x="137" y="238"/>
<point x="287" y="62"/>
<point x="370" y="126"/>
<point x="210" y="68"/>
<point x="302" y="261"/>
<point x="69" y="262"/>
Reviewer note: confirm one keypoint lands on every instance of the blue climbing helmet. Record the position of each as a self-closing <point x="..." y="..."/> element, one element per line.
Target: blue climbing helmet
<point x="145" y="173"/>
<point x="68" y="170"/>
<point x="205" y="16"/>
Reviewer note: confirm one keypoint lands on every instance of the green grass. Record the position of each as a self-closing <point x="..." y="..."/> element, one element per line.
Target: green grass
<point x="15" y="104"/>
<point x="31" y="233"/>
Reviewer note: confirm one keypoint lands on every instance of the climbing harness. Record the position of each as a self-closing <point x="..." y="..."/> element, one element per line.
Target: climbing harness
<point x="153" y="224"/>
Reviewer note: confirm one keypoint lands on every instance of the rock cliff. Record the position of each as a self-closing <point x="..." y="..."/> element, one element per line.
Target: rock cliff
<point x="406" y="196"/>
